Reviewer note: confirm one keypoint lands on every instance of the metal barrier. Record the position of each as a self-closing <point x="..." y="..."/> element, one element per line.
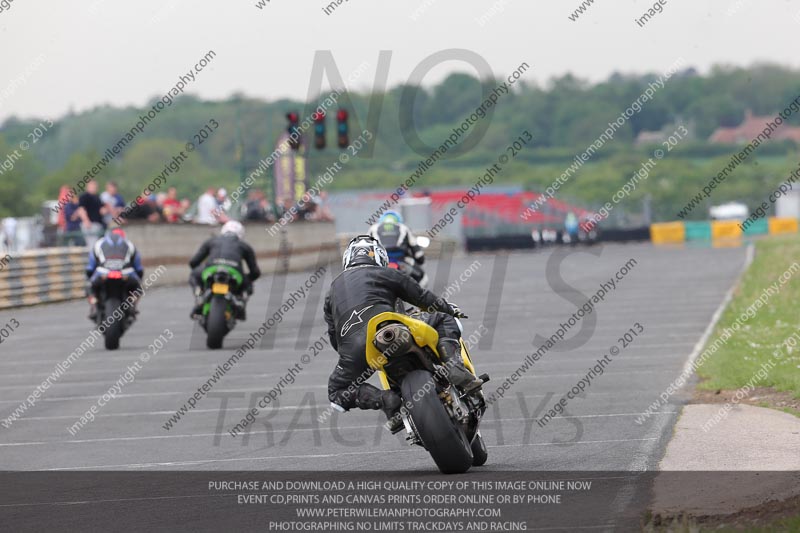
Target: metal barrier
<point x="58" y="274"/>
<point x="41" y="276"/>
<point x="719" y="232"/>
<point x="440" y="246"/>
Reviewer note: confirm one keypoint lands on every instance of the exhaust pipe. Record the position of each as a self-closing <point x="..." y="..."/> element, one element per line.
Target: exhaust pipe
<point x="393" y="339"/>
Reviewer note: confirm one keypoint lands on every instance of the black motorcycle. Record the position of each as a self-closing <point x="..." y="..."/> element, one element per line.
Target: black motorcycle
<point x="112" y="290"/>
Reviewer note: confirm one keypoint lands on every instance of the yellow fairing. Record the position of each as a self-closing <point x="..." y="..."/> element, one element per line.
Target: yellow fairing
<point x="423" y="334"/>
<point x="467" y="358"/>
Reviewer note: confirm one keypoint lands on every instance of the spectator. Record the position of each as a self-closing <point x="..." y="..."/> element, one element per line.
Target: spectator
<point x="9" y="235"/>
<point x="308" y="209"/>
<point x="159" y="199"/>
<point x="75" y="218"/>
<point x="63" y="199"/>
<point x="172" y="208"/>
<point x="255" y="208"/>
<point x="321" y="212"/>
<point x="224" y="204"/>
<point x="113" y="201"/>
<point x="95" y="210"/>
<point x="207" y="208"/>
<point x="186" y="204"/>
<point x="288" y="209"/>
<point x="146" y="210"/>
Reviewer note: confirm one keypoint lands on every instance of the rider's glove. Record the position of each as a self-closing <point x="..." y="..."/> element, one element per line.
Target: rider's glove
<point x="456" y="311"/>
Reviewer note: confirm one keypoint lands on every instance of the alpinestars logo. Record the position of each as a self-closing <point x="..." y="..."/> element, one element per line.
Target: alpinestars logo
<point x="354" y="320"/>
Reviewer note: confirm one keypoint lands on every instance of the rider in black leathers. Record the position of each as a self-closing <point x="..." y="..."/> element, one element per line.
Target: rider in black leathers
<point x="364" y="289"/>
<point x="228" y="249"/>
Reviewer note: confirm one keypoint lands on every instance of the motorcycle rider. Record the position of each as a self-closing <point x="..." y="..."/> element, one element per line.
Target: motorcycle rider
<point x="571" y="227"/>
<point x="364" y="289"/>
<point x="113" y="249"/>
<point x="229" y="249"/>
<point x="399" y="241"/>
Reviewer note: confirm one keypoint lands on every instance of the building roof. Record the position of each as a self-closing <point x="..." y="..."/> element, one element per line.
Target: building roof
<point x="749" y="129"/>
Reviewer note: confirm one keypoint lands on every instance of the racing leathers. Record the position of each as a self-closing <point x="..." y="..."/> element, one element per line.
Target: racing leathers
<point x="113" y="252"/>
<point x="399" y="241"/>
<point x="228" y="250"/>
<point x="360" y="293"/>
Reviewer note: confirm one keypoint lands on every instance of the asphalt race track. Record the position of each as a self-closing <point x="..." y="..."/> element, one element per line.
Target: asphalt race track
<point x="672" y="293"/>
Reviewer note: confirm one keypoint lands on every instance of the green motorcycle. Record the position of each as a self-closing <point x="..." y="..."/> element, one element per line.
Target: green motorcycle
<point x="221" y="305"/>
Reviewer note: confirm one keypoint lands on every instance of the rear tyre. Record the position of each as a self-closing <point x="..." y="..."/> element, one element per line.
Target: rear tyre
<point x="216" y="325"/>
<point x="479" y="452"/>
<point x="114" y="330"/>
<point x="440" y="435"/>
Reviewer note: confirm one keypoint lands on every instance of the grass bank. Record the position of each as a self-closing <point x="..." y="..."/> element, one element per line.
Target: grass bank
<point x="763" y="349"/>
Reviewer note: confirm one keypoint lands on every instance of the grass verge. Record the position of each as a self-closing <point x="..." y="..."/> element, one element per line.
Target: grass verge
<point x="763" y="349"/>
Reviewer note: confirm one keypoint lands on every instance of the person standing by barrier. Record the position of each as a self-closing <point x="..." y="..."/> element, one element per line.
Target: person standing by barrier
<point x="206" y="207"/>
<point x="114" y="202"/>
<point x="9" y="234"/>
<point x="95" y="209"/>
<point x="74" y="219"/>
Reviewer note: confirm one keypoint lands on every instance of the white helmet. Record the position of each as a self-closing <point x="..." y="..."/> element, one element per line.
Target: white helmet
<point x="364" y="250"/>
<point x="233" y="226"/>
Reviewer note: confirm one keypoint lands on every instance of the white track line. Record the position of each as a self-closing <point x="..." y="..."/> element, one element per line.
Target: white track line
<point x="211" y="367"/>
<point x="639" y="463"/>
<point x="286" y="408"/>
<point x="313" y="456"/>
<point x="301" y="386"/>
<point x="280" y="431"/>
<point x="328" y="357"/>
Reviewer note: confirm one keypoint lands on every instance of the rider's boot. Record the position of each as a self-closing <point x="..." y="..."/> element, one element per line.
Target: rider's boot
<point x="241" y="311"/>
<point x="457" y="373"/>
<point x="370" y="397"/>
<point x="198" y="302"/>
<point x="92" y="308"/>
<point x="135" y="305"/>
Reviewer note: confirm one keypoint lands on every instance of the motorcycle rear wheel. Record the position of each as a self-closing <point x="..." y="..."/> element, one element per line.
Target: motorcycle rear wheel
<point x="114" y="331"/>
<point x="440" y="435"/>
<point x="216" y="323"/>
<point x="479" y="452"/>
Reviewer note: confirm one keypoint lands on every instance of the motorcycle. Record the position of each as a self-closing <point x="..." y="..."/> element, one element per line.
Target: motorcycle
<point x="435" y="414"/>
<point x="221" y="305"/>
<point x="399" y="261"/>
<point x="111" y="292"/>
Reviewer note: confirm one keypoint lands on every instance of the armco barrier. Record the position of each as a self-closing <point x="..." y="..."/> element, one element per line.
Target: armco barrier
<point x="41" y="276"/>
<point x="57" y="274"/>
<point x="439" y="246"/>
<point x="300" y="246"/>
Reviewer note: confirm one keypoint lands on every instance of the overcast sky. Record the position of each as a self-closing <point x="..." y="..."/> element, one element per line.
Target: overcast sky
<point x="94" y="52"/>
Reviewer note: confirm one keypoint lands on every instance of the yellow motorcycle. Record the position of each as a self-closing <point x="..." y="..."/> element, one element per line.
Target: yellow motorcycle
<point x="436" y="415"/>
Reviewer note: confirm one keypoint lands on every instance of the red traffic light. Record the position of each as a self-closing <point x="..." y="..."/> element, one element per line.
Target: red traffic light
<point x="318" y="116"/>
<point x="341" y="115"/>
<point x="293" y="117"/>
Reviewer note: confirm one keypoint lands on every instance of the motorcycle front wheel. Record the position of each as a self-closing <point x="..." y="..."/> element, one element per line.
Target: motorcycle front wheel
<point x="441" y="436"/>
